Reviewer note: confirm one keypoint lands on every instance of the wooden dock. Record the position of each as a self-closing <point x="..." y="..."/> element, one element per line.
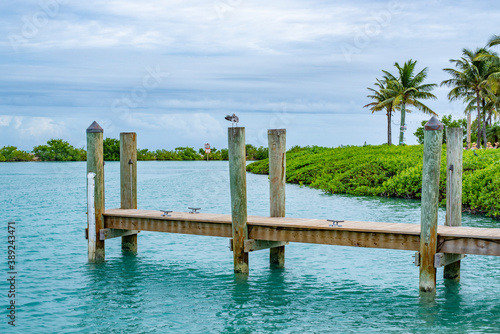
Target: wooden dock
<point x="435" y="246"/>
<point x="457" y="240"/>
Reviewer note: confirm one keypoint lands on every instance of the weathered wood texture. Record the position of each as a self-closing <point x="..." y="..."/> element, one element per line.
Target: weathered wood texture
<point x="433" y="136"/>
<point x="91" y="227"/>
<point x="445" y="259"/>
<point x="110" y="233"/>
<point x="277" y="184"/>
<point x="95" y="164"/>
<point x="238" y="185"/>
<point x="476" y="246"/>
<point x="468" y="130"/>
<point x="128" y="182"/>
<point x="252" y="245"/>
<point x="460" y="240"/>
<point x="182" y="226"/>
<point x="454" y="163"/>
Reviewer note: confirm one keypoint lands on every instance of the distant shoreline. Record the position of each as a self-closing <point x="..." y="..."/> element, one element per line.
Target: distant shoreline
<point x="60" y="150"/>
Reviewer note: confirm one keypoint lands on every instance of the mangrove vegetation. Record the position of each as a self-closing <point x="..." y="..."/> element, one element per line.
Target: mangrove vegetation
<point x="390" y="171"/>
<point x="60" y="150"/>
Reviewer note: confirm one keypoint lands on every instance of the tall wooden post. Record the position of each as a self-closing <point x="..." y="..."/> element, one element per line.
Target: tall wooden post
<point x="128" y="182"/>
<point x="468" y="131"/>
<point x="238" y="184"/>
<point x="277" y="177"/>
<point x="433" y="138"/>
<point x="95" y="164"/>
<point x="454" y="159"/>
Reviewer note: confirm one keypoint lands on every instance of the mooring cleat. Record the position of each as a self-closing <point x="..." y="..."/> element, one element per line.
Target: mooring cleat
<point x="335" y="223"/>
<point x="166" y="213"/>
<point x="194" y="210"/>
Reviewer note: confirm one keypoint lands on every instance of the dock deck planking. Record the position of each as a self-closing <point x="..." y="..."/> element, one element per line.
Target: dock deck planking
<point x="460" y="240"/>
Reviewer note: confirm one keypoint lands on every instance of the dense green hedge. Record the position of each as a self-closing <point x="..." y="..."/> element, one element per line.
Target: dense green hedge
<point x="393" y="171"/>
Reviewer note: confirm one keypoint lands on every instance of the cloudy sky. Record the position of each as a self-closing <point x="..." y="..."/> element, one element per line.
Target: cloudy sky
<point x="171" y="70"/>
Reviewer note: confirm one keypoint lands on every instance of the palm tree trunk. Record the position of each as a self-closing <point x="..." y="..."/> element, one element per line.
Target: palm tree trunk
<point x="485" y="141"/>
<point x="389" y="132"/>
<point x="468" y="130"/>
<point x="401" y="131"/>
<point x="478" y="101"/>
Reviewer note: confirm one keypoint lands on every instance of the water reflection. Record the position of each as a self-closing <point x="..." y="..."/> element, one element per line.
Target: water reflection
<point x="452" y="297"/>
<point x="238" y="313"/>
<point x="428" y="309"/>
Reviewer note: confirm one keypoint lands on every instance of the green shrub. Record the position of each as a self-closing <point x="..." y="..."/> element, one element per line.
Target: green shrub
<point x="111" y="149"/>
<point x="59" y="150"/>
<point x="392" y="171"/>
<point x="145" y="154"/>
<point x="11" y="153"/>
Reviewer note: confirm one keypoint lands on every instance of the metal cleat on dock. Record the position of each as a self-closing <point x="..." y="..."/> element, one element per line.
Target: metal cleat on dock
<point x="194" y="210"/>
<point x="335" y="223"/>
<point x="166" y="213"/>
<point x="416" y="259"/>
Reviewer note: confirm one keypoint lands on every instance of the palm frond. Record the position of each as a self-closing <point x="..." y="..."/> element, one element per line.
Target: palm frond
<point x="425" y="109"/>
<point x="494" y="40"/>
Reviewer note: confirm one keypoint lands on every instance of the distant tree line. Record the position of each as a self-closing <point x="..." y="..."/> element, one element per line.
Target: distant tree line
<point x="60" y="150"/>
<point x="55" y="150"/>
<point x="112" y="153"/>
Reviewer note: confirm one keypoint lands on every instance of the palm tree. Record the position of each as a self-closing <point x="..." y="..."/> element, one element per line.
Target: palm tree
<point x="491" y="104"/>
<point x="472" y="78"/>
<point x="407" y="89"/>
<point x="378" y="96"/>
<point x="494" y="40"/>
<point x="494" y="133"/>
<point x="470" y="107"/>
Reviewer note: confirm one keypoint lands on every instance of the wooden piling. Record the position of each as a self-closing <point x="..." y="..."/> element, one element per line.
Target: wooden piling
<point x="238" y="184"/>
<point x="128" y="182"/>
<point x="95" y="164"/>
<point x="433" y="137"/>
<point x="277" y="177"/>
<point x="454" y="161"/>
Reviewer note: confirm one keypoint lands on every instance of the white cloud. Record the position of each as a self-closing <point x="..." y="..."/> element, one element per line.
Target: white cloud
<point x="260" y="26"/>
<point x="191" y="125"/>
<point x="11" y="121"/>
<point x="253" y="59"/>
<point x="5" y="120"/>
<point x="40" y="127"/>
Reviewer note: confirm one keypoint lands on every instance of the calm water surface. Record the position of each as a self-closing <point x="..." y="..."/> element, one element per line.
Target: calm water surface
<point x="185" y="284"/>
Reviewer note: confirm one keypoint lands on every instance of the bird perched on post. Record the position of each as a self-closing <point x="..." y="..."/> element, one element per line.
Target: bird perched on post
<point x="232" y="118"/>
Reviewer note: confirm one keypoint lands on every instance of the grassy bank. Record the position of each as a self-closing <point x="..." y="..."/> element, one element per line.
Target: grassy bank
<point x="392" y="171"/>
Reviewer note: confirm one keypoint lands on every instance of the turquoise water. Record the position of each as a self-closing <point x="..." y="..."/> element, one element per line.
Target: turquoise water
<point x="185" y="284"/>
